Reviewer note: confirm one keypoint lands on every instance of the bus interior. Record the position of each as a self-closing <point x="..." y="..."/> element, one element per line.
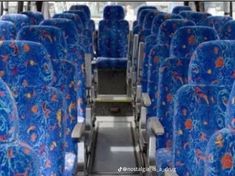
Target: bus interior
<point x="106" y="88"/>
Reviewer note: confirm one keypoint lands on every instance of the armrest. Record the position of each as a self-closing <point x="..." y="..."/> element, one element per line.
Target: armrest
<point x="155" y="126"/>
<point x="78" y="131"/>
<point x="146" y="99"/>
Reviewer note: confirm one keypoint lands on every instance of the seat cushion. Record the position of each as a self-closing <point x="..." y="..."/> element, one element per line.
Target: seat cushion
<point x="107" y="62"/>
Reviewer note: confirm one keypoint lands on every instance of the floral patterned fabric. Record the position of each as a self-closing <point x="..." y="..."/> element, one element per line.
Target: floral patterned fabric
<point x="20" y="20"/>
<point x="157" y="55"/>
<point x="161" y="38"/>
<point x="178" y="9"/>
<point x="200" y="111"/>
<point x="197" y="17"/>
<point x="83" y="16"/>
<point x="7" y="30"/>
<point x="86" y="10"/>
<point x="112" y="44"/>
<point x="64" y="72"/>
<point x="75" y="18"/>
<point x="173" y="73"/>
<point x="159" y="19"/>
<point x="228" y="31"/>
<point x="18" y="159"/>
<point x="168" y="28"/>
<point x="219" y="66"/>
<point x="34" y="17"/>
<point x="51" y="37"/>
<point x="8" y="115"/>
<point x="220" y="154"/>
<point x="75" y="55"/>
<point x="113" y="12"/>
<point x="220" y="148"/>
<point x="31" y="68"/>
<point x="186" y="39"/>
<point x="83" y="8"/>
<point x="15" y="158"/>
<point x="139" y="27"/>
<point x="217" y="22"/>
<point x="42" y="109"/>
<point x="147" y="25"/>
<point x="200" y="106"/>
<point x="144" y="8"/>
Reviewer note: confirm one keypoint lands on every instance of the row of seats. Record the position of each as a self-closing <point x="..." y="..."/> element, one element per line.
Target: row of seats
<point x="43" y="65"/>
<point x="188" y="71"/>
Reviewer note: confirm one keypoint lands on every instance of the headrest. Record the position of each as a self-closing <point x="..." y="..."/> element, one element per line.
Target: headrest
<point x="75" y="18"/>
<point x="81" y="14"/>
<point x="52" y="38"/>
<point x="83" y="8"/>
<point x="34" y="17"/>
<point x="160" y="18"/>
<point x="228" y="30"/>
<point x="169" y="27"/>
<point x="217" y="22"/>
<point x="8" y="115"/>
<point x="25" y="63"/>
<point x="148" y="20"/>
<point x="142" y="16"/>
<point x="230" y="120"/>
<point x="20" y="20"/>
<point x="114" y="12"/>
<point x="178" y="9"/>
<point x="67" y="26"/>
<point x="145" y="8"/>
<point x="213" y="63"/>
<point x="7" y="30"/>
<point x="186" y="39"/>
<point x="197" y="17"/>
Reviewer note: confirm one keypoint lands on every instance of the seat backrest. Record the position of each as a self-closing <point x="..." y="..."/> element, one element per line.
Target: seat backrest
<point x="83" y="8"/>
<point x="9" y="115"/>
<point x="200" y="106"/>
<point x="140" y="21"/>
<point x="34" y="17"/>
<point x="173" y="73"/>
<point x="42" y="111"/>
<point x="186" y="39"/>
<point x="217" y="22"/>
<point x="159" y="19"/>
<point x="144" y="8"/>
<point x="178" y="9"/>
<point x="75" y="18"/>
<point x="15" y="157"/>
<point x="228" y="31"/>
<point x="113" y="38"/>
<point x="220" y="148"/>
<point x="64" y="72"/>
<point x="81" y="14"/>
<point x="156" y="55"/>
<point x="20" y="20"/>
<point x="168" y="28"/>
<point x="164" y="36"/>
<point x="86" y="10"/>
<point x="113" y="33"/>
<point x="52" y="38"/>
<point x="197" y="17"/>
<point x="31" y="68"/>
<point x="113" y="12"/>
<point x="75" y="54"/>
<point x="147" y="25"/>
<point x="7" y="30"/>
